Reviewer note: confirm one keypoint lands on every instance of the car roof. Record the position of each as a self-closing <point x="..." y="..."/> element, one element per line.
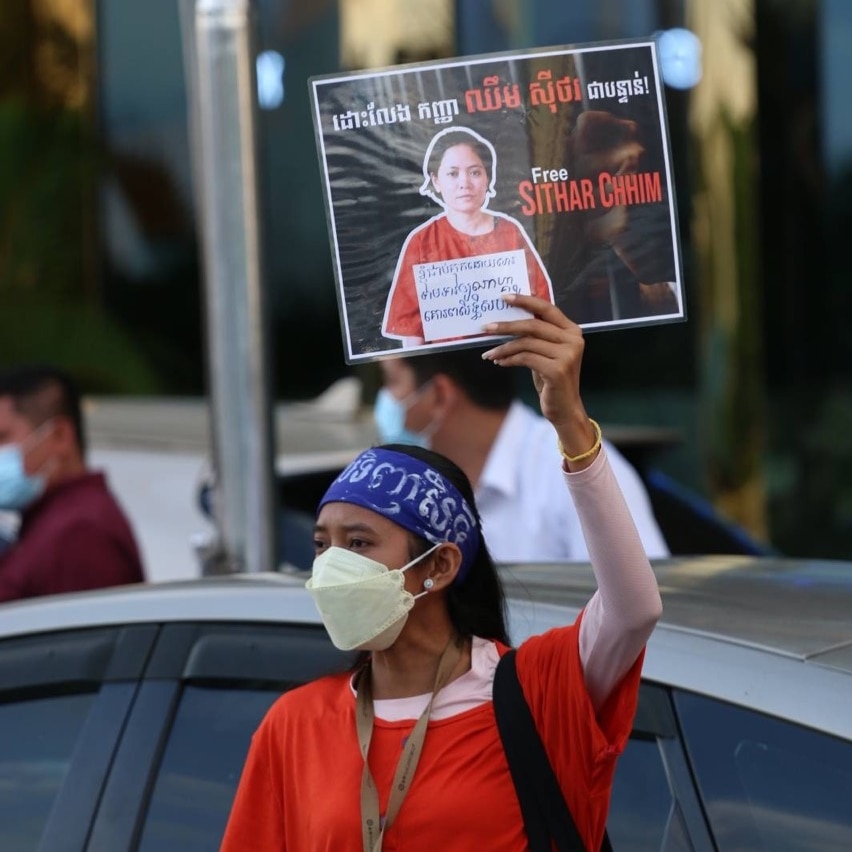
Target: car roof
<point x="269" y="596"/>
<point x="770" y="634"/>
<point x="799" y="608"/>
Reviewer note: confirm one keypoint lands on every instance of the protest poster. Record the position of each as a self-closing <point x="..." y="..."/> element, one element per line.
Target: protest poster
<point x="449" y="183"/>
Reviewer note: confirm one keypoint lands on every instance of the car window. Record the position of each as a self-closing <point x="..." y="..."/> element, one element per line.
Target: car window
<point x="201" y="768"/>
<point x="643" y="811"/>
<point x="64" y="698"/>
<point x="768" y="784"/>
<point x="37" y="739"/>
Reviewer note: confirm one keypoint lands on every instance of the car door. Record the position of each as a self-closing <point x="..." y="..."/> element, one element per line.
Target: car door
<point x="204" y="691"/>
<point x="64" y="698"/>
<point x="655" y="804"/>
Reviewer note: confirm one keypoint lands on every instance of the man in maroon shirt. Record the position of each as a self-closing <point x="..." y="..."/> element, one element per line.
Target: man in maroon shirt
<point x="73" y="534"/>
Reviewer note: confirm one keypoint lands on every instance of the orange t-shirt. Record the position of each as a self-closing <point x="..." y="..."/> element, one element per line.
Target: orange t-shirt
<point x="300" y="788"/>
<point x="438" y="240"/>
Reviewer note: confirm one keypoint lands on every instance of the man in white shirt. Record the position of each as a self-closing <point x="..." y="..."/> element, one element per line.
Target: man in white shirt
<point x="465" y="408"/>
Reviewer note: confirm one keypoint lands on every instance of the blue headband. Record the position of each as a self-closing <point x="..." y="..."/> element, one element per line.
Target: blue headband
<point x="413" y="495"/>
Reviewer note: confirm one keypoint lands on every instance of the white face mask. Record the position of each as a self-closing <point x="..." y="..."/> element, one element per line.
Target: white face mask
<point x="363" y="605"/>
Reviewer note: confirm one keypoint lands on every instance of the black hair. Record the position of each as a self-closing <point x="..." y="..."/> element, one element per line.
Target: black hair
<point x="477" y="604"/>
<point x="42" y="391"/>
<point x="459" y="137"/>
<point x="485" y="384"/>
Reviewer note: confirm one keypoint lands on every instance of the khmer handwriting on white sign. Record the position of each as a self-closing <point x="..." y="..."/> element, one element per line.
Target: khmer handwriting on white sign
<point x="458" y="297"/>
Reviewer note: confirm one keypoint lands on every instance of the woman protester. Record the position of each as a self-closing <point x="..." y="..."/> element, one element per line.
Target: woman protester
<point x="459" y="171"/>
<point x="405" y="753"/>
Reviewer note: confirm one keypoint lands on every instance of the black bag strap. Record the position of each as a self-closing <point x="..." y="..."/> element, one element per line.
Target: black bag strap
<point x="547" y="819"/>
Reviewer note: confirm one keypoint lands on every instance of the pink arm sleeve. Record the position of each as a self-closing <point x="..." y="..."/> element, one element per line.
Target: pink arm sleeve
<point x="622" y="613"/>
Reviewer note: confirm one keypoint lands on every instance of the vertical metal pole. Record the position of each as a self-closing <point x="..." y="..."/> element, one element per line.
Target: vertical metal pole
<point x="225" y="116"/>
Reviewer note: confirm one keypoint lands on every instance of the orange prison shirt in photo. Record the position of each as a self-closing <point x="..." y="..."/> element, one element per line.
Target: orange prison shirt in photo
<point x="438" y="240"/>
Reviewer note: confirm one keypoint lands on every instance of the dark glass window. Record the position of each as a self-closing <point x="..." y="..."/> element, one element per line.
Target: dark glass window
<point x="201" y="768"/>
<point x="643" y="811"/>
<point x="768" y="784"/>
<point x="37" y="738"/>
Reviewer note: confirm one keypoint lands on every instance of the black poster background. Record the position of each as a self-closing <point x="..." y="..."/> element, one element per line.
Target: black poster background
<point x="606" y="272"/>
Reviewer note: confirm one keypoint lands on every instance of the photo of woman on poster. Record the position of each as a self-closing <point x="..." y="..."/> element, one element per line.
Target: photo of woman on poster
<point x="459" y="171"/>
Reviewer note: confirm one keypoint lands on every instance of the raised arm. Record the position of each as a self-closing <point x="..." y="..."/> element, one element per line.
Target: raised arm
<point x="623" y="611"/>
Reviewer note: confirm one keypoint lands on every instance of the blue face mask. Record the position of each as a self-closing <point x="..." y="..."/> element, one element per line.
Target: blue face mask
<point x="17" y="489"/>
<point x="389" y="415"/>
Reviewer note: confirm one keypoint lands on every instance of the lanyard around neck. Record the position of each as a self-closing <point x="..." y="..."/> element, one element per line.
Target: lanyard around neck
<point x="372" y="825"/>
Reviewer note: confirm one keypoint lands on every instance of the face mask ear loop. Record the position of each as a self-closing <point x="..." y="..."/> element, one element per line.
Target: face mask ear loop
<point x="33" y="440"/>
<point x="37" y="435"/>
<point x="412" y="398"/>
<point x="434" y="424"/>
<point x="413" y="562"/>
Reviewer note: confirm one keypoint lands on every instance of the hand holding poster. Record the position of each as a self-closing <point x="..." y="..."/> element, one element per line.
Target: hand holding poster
<point x="449" y="183"/>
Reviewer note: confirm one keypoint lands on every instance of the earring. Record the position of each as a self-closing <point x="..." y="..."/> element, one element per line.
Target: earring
<point x="428" y="583"/>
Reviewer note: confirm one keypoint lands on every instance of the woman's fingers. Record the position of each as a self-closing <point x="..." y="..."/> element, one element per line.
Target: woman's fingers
<point x="551" y="346"/>
<point x="513" y="351"/>
<point x="539" y="308"/>
<point x="549" y="332"/>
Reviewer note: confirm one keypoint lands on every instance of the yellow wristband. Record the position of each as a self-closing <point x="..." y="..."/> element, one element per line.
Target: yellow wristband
<point x="595" y="447"/>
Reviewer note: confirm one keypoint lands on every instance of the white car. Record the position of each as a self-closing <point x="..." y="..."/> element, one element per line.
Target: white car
<point x="125" y="714"/>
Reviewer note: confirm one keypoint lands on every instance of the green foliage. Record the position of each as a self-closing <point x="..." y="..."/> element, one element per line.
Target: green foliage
<point x="811" y="489"/>
<point x="50" y="308"/>
<point x="44" y="211"/>
<point x="78" y="336"/>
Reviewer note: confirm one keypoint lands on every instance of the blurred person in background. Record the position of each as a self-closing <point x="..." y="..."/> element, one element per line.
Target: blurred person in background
<point x="462" y="407"/>
<point x="73" y="535"/>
